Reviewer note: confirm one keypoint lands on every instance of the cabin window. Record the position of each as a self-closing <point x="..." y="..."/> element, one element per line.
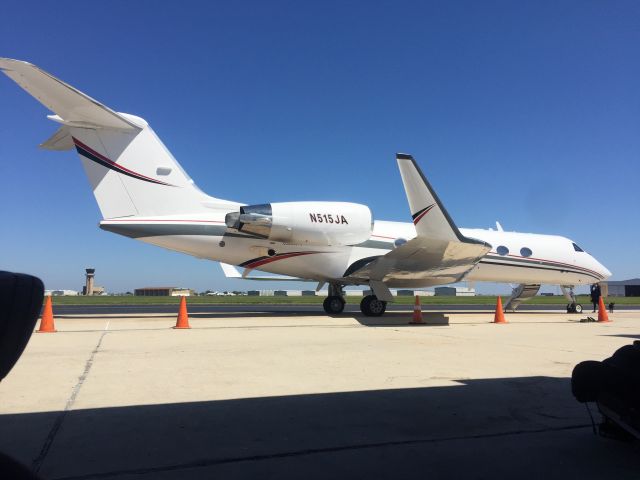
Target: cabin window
<point x="526" y="252"/>
<point x="577" y="248"/>
<point x="502" y="250"/>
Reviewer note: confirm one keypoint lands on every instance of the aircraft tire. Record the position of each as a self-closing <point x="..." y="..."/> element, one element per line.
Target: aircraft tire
<point x="578" y="308"/>
<point x="372" y="307"/>
<point x="333" y="305"/>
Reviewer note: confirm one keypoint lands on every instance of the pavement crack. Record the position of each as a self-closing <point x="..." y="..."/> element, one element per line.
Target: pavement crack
<point x="203" y="463"/>
<point x="48" y="442"/>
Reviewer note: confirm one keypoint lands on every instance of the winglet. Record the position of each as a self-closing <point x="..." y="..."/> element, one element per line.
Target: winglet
<point x="429" y="215"/>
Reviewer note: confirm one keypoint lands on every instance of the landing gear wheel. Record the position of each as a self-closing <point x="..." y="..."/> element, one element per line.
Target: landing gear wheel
<point x="372" y="307"/>
<point x="333" y="305"/>
<point x="574" y="308"/>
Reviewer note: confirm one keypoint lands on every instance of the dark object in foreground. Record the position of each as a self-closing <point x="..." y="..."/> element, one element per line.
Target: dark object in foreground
<point x="614" y="384"/>
<point x="20" y="303"/>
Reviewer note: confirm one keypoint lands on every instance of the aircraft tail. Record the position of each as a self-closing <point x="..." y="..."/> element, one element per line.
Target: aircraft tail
<point x="130" y="170"/>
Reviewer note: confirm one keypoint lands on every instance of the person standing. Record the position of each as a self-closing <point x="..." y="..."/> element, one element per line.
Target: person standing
<point x="595" y="296"/>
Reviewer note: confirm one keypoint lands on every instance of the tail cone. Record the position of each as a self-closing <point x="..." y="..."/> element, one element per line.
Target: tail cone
<point x="46" y="323"/>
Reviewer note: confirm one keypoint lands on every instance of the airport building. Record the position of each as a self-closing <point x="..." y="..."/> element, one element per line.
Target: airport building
<point x="89" y="287"/>
<point x="624" y="288"/>
<point x="60" y="293"/>
<point x="348" y="293"/>
<point x="162" y="292"/>
<point x="455" y="291"/>
<point x="413" y="293"/>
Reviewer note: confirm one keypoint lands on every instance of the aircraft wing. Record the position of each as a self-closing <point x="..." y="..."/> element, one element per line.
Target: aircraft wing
<point x="71" y="106"/>
<point x="439" y="254"/>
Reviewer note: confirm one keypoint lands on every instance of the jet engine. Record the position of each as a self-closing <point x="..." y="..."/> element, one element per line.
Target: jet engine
<point x="305" y="223"/>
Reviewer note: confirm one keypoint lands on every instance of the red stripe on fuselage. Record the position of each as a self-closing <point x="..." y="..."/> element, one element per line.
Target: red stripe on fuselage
<point x="78" y="143"/>
<point x="497" y="256"/>
<point x="258" y="263"/>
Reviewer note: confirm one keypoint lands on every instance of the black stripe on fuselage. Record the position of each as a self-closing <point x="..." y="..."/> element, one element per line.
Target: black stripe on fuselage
<point x="160" y="230"/>
<point x="114" y="166"/>
<point x="521" y="261"/>
<point x="541" y="267"/>
<point x="257" y="259"/>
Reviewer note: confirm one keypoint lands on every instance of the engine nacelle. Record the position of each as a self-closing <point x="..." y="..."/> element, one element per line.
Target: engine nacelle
<point x="305" y="223"/>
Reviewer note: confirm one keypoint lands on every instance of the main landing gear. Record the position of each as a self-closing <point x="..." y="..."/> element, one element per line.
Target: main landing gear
<point x="372" y="307"/>
<point x="334" y="303"/>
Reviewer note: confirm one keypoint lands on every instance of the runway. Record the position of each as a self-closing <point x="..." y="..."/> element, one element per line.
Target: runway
<point x="292" y="309"/>
<point x="245" y="395"/>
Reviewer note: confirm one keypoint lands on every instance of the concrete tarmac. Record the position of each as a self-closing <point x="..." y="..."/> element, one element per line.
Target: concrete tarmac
<point x="246" y="395"/>
<point x="274" y="310"/>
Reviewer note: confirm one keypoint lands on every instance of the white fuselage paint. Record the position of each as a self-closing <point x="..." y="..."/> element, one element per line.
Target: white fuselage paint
<point x="135" y="178"/>
<point x="553" y="259"/>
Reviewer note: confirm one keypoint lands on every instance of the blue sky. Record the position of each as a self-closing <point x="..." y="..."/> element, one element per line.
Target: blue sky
<point x="522" y="112"/>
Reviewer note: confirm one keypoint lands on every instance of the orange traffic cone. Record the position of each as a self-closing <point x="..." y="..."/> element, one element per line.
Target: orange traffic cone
<point x="499" y="316"/>
<point x="603" y="316"/>
<point x="46" y="322"/>
<point x="183" y="318"/>
<point x="417" y="313"/>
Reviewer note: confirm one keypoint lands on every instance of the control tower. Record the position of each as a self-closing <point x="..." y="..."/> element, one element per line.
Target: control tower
<point x="88" y="288"/>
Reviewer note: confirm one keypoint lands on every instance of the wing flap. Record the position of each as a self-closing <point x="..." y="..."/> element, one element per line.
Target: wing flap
<point x="70" y="104"/>
<point x="431" y="262"/>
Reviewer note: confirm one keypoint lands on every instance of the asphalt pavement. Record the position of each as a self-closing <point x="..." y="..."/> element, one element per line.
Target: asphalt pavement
<point x="287" y="309"/>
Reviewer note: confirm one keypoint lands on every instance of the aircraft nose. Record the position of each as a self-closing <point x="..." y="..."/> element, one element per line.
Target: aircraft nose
<point x="602" y="270"/>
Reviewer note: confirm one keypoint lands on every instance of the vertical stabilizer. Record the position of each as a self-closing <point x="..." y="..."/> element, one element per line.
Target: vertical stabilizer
<point x="129" y="168"/>
<point x="132" y="173"/>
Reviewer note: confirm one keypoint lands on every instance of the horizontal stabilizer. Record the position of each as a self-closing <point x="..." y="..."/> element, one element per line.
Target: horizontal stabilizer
<point x="61" y="140"/>
<point x="71" y="105"/>
<point x="232" y="272"/>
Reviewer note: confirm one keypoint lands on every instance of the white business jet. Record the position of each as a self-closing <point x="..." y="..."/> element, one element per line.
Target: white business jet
<point x="143" y="193"/>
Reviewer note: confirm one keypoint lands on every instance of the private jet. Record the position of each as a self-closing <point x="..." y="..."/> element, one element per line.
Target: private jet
<point x="143" y="193"/>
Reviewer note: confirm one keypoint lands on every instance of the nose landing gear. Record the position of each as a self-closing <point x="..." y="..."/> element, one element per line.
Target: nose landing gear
<point x="572" y="306"/>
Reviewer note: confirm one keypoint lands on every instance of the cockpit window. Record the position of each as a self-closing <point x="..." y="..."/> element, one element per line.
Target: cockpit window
<point x="577" y="248"/>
